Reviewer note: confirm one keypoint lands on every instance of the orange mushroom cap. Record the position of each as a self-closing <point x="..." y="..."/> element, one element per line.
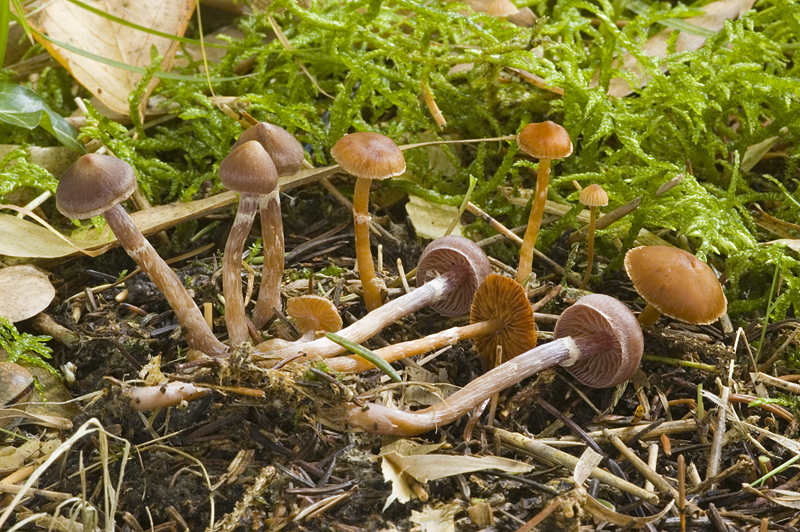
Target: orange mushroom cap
<point x="676" y="283"/>
<point x="593" y="196"/>
<point x="545" y="140"/>
<point x="313" y="313"/>
<point x="502" y="298"/>
<point x="369" y="156"/>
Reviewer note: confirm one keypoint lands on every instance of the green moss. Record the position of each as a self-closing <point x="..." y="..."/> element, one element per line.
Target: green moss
<point x="24" y="346"/>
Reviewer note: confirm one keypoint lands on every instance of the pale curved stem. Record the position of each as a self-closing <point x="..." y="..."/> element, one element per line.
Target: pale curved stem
<point x="393" y="353"/>
<point x="534" y="221"/>
<point x="373" y="322"/>
<point x="366" y="267"/>
<point x="269" y="294"/>
<point x="198" y="334"/>
<point x="589" y="247"/>
<point x="235" y="318"/>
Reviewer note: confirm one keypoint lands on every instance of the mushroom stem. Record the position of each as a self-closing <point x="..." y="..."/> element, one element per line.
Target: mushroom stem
<point x="269" y="295"/>
<point x="534" y="221"/>
<point x="379" y="419"/>
<point x="235" y="318"/>
<point x="393" y="353"/>
<point x="649" y="315"/>
<point x="589" y="247"/>
<point x="198" y="333"/>
<point x="432" y="291"/>
<point x="366" y="267"/>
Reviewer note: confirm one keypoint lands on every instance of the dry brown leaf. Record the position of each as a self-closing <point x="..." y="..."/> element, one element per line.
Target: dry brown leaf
<point x="68" y="23"/>
<point x="716" y="13"/>
<point x="25" y="291"/>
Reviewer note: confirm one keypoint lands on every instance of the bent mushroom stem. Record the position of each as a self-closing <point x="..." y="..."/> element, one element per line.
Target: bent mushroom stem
<point x="534" y="221"/>
<point x="235" y="318"/>
<point x="269" y="295"/>
<point x="366" y="266"/>
<point x="649" y="315"/>
<point x="379" y="419"/>
<point x="376" y="320"/>
<point x="198" y="333"/>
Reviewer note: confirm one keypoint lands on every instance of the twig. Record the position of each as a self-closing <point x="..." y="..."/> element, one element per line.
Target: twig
<point x="657" y="480"/>
<point x="716" y="444"/>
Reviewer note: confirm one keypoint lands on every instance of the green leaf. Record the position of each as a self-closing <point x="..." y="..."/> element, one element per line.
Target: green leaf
<point x="20" y="106"/>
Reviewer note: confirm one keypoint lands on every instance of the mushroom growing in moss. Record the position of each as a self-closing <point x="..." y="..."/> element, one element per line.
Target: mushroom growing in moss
<point x="368" y="157"/>
<point x="594" y="196"/>
<point x="545" y="141"/>
<point x="675" y="283"/>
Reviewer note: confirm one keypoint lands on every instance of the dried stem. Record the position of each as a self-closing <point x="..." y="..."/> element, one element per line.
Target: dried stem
<point x="235" y="318"/>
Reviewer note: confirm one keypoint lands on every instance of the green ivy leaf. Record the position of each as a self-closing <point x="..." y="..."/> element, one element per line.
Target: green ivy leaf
<point x="20" y="106"/>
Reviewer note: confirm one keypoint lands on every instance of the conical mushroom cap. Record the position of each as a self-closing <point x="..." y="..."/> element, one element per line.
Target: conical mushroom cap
<point x="545" y="140"/>
<point x="593" y="196"/>
<point x="369" y="156"/>
<point x="502" y="298"/>
<point x="676" y="283"/>
<point x="92" y="185"/>
<point x="314" y="313"/>
<point x="285" y="150"/>
<point x="249" y="170"/>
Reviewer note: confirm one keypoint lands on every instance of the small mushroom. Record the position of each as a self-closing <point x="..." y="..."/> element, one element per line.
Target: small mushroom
<point x="96" y="184"/>
<point x="448" y="273"/>
<point x="312" y="314"/>
<point x="249" y="171"/>
<point x="594" y="196"/>
<point x="368" y="157"/>
<point x="500" y="315"/>
<point x="502" y="8"/>
<point x="606" y="339"/>
<point x="675" y="283"/>
<point x="287" y="154"/>
<point x="545" y="141"/>
<point x="16" y="389"/>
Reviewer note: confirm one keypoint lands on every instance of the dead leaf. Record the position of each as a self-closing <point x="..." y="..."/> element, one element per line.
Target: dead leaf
<point x="431" y="220"/>
<point x="66" y="22"/>
<point x="25" y="291"/>
<point x="435" y="466"/>
<point x="756" y="152"/>
<point x="55" y="160"/>
<point x="716" y="13"/>
<point x="436" y="519"/>
<point x="585" y="466"/>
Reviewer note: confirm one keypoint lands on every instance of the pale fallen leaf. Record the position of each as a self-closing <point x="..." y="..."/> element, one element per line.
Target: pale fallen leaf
<point x="436" y="519"/>
<point x="791" y="243"/>
<point x="401" y="491"/>
<point x="604" y="513"/>
<point x="13" y="458"/>
<point x="55" y="160"/>
<point x="431" y="220"/>
<point x="716" y="13"/>
<point x="756" y="152"/>
<point x="435" y="466"/>
<point x="785" y="498"/>
<point x="585" y="466"/>
<point x="66" y="22"/>
<point x="25" y="291"/>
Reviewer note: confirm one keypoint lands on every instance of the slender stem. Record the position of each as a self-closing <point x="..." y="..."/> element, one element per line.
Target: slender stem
<point x="269" y="294"/>
<point x="373" y="322"/>
<point x="534" y="221"/>
<point x="198" y="333"/>
<point x="235" y="318"/>
<point x="393" y="353"/>
<point x="589" y="248"/>
<point x="366" y="267"/>
<point x="380" y="419"/>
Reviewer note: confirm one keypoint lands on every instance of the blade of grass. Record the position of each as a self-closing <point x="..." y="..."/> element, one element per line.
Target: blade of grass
<point x="5" y="20"/>
<point x="366" y="354"/>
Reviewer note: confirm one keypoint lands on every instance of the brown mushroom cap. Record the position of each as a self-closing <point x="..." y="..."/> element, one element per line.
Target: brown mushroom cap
<point x="593" y="196"/>
<point x="93" y="184"/>
<point x="598" y="313"/>
<point x="457" y="254"/>
<point x="369" y="156"/>
<point x="285" y="150"/>
<point x="502" y="298"/>
<point x="676" y="283"/>
<point x="248" y="169"/>
<point x="545" y="140"/>
<point x="314" y="313"/>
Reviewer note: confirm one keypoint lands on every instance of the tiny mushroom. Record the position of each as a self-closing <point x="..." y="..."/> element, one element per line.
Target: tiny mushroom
<point x="448" y="273"/>
<point x="604" y="350"/>
<point x="287" y="154"/>
<point x="96" y="184"/>
<point x="248" y="170"/>
<point x="545" y="141"/>
<point x="500" y="315"/>
<point x="675" y="283"/>
<point x="594" y="196"/>
<point x="502" y="8"/>
<point x="368" y="157"/>
<point x="312" y="314"/>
